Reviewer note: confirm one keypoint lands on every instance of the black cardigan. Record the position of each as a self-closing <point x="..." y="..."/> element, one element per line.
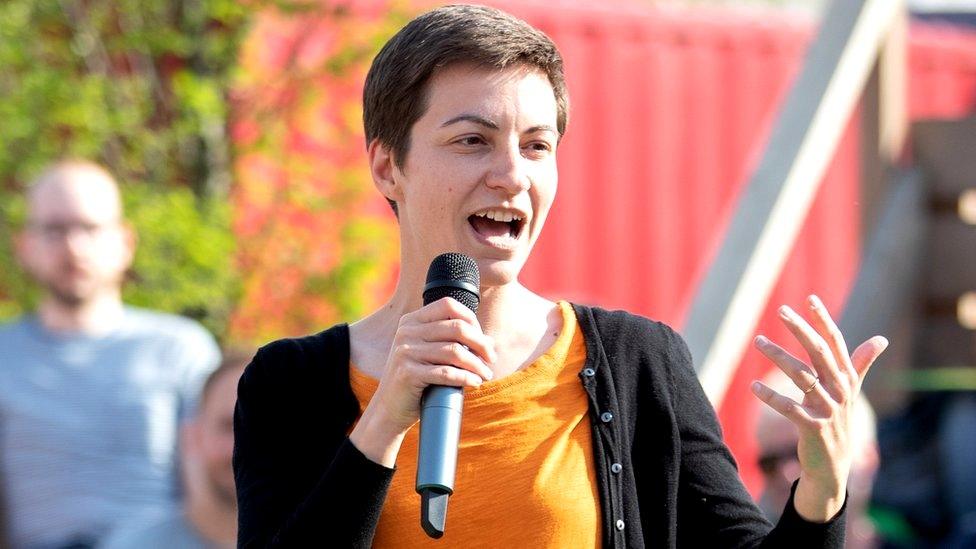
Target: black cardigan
<point x="665" y="477"/>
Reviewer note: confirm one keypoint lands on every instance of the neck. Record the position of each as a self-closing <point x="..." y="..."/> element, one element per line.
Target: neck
<point x="214" y="521"/>
<point x="495" y="307"/>
<point x="520" y="322"/>
<point x="95" y="316"/>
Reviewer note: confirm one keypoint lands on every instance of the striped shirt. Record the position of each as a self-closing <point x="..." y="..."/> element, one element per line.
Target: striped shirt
<point x="89" y="425"/>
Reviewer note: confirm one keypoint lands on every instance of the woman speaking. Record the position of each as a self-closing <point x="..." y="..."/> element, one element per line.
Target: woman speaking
<point x="581" y="427"/>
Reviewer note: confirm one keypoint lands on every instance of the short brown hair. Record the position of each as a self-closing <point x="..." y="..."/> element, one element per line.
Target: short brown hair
<point x="395" y="95"/>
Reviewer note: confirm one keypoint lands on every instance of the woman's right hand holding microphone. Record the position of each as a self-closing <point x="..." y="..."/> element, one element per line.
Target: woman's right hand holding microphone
<point x="439" y="344"/>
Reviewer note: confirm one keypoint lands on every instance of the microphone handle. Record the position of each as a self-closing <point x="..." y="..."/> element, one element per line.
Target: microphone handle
<point x="440" y="430"/>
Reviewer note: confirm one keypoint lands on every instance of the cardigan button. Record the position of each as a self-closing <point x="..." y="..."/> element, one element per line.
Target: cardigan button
<point x="620" y="525"/>
<point x="606" y="417"/>
<point x="616" y="468"/>
<point x="589" y="372"/>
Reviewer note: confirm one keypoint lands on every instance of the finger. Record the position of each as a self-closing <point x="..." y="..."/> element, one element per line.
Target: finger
<point x="818" y="351"/>
<point x="802" y="375"/>
<point x="405" y="357"/>
<point x="825" y="325"/>
<point x="866" y="353"/>
<point x="451" y="354"/>
<point x="444" y="374"/>
<point x="785" y="406"/>
<point x="460" y="331"/>
<point x="443" y="309"/>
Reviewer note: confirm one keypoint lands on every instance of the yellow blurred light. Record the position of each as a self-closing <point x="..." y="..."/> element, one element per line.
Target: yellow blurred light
<point x="967" y="206"/>
<point x="966" y="310"/>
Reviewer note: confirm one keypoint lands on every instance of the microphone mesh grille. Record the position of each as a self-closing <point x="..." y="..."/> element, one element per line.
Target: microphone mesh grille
<point x="453" y="267"/>
<point x="466" y="298"/>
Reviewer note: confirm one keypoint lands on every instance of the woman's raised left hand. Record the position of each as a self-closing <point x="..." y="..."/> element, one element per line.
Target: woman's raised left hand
<point x="829" y="382"/>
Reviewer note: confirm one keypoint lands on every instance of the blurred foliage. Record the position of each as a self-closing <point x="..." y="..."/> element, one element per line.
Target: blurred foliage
<point x="140" y="86"/>
<point x="15" y="292"/>
<point x="190" y="267"/>
<point x="304" y="196"/>
<point x="180" y="98"/>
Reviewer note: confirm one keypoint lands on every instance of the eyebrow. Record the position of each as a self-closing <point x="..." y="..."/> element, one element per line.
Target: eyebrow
<point x="542" y="128"/>
<point x="482" y="121"/>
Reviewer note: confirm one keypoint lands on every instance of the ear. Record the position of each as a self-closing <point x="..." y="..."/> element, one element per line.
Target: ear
<point x="129" y="241"/>
<point x="21" y="248"/>
<point x="384" y="170"/>
<point x="190" y="437"/>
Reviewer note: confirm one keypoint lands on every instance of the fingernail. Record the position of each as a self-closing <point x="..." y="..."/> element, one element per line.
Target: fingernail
<point x="756" y="387"/>
<point x="785" y="311"/>
<point x="815" y="302"/>
<point x="761" y="340"/>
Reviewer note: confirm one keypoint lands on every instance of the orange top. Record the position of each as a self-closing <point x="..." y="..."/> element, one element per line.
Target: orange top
<point x="525" y="474"/>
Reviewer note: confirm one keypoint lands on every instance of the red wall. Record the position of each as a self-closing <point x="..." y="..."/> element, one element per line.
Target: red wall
<point x="942" y="65"/>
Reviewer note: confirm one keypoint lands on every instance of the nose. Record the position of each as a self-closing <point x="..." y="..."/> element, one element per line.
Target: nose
<point x="77" y="243"/>
<point x="508" y="171"/>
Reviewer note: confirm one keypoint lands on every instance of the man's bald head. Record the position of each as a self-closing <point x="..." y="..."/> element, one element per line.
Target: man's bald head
<point x="75" y="245"/>
<point x="75" y="184"/>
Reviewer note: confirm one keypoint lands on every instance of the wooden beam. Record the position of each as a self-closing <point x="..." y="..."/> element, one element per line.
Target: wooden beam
<point x="893" y="90"/>
<point x="774" y="204"/>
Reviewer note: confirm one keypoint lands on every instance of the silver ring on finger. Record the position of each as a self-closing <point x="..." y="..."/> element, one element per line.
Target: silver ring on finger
<point x="812" y="386"/>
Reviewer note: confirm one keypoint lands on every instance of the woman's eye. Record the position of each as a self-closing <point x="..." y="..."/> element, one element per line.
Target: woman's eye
<point x="539" y="147"/>
<point x="471" y="140"/>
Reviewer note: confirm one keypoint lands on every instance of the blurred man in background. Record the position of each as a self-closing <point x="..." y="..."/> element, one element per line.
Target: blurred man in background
<point x="208" y="518"/>
<point x="780" y="467"/>
<point x="92" y="390"/>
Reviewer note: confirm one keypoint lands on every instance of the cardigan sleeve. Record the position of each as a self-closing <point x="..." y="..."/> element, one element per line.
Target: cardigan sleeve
<point x="300" y="481"/>
<point x="714" y="508"/>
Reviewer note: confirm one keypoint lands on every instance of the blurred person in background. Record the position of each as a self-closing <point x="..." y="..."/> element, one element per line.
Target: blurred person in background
<point x="208" y="516"/>
<point x="957" y="446"/>
<point x="778" y="461"/>
<point x="925" y="493"/>
<point x="93" y="391"/>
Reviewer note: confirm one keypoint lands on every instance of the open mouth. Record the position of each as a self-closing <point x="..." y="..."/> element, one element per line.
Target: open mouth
<point x="496" y="224"/>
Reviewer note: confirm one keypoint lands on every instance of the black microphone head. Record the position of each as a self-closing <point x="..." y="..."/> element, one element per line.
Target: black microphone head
<point x="453" y="275"/>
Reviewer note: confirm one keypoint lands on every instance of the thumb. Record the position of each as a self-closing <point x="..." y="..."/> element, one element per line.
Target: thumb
<point x="864" y="356"/>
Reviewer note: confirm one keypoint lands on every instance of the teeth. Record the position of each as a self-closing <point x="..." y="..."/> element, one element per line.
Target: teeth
<point x="497" y="215"/>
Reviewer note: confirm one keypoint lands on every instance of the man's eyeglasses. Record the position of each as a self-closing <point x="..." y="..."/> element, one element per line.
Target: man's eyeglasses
<point x="770" y="462"/>
<point x="57" y="231"/>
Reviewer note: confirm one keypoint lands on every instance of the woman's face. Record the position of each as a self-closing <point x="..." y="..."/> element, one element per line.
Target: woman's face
<point x="480" y="173"/>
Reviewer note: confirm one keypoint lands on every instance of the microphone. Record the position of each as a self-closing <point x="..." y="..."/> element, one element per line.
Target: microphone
<point x="450" y="275"/>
